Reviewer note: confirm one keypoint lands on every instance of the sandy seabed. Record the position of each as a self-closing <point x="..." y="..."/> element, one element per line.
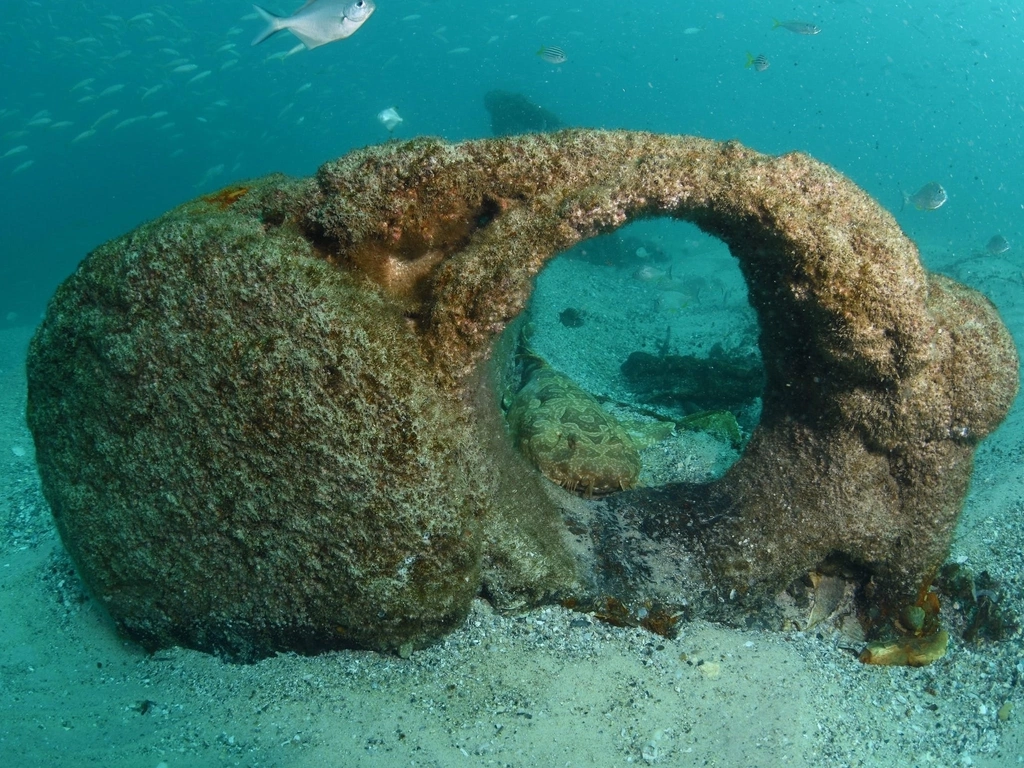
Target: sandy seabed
<point x="545" y="688"/>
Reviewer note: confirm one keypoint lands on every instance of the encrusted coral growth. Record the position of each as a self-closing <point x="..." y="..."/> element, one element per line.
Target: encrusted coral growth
<point x="258" y="419"/>
<point x="881" y="378"/>
<point x="230" y="427"/>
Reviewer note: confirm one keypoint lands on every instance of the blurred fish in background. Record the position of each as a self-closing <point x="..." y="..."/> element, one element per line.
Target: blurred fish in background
<point x="799" y="27"/>
<point x="997" y="244"/>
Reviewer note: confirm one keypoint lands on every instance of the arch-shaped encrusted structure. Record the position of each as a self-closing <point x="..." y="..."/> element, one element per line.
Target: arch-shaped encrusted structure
<point x="270" y="397"/>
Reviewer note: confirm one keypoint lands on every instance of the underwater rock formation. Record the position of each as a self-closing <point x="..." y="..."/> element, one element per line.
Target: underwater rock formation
<point x="266" y="421"/>
<point x="514" y="113"/>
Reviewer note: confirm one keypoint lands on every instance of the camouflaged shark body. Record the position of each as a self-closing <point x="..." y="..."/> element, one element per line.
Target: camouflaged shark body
<point x="566" y="434"/>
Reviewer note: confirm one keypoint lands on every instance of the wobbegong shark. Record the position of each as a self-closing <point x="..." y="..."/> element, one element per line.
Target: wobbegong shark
<point x="318" y="22"/>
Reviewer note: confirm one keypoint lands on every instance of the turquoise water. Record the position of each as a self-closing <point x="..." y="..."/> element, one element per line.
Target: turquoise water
<point x="895" y="95"/>
<point x="101" y="133"/>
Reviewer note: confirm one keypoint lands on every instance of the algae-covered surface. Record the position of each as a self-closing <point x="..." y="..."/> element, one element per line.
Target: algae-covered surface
<point x="267" y="421"/>
<point x="549" y="686"/>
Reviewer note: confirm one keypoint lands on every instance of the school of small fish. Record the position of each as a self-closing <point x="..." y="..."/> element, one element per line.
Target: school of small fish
<point x="158" y="45"/>
<point x="152" y="74"/>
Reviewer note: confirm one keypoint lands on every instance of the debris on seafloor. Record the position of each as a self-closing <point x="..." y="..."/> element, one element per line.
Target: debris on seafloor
<point x="979" y="599"/>
<point x="720" y="424"/>
<point x="828" y="594"/>
<point x="909" y="652"/>
<point x="919" y="640"/>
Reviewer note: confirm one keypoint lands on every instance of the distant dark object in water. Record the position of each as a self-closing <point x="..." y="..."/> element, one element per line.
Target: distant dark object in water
<point x="722" y="380"/>
<point x="514" y="113"/>
<point x="571" y="317"/>
<point x="997" y="244"/>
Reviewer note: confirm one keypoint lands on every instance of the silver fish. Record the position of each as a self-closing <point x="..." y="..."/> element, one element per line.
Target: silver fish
<point x="800" y="27"/>
<point x="998" y="244"/>
<point x="318" y="22"/>
<point x="105" y="116"/>
<point x="928" y="198"/>
<point x="211" y="173"/>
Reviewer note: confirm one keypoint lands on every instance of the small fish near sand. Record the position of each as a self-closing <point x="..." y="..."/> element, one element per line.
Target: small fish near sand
<point x="930" y="197"/>
<point x="997" y="245"/>
<point x="318" y="22"/>
<point x="552" y="54"/>
<point x="389" y="118"/>
<point x="799" y="27"/>
<point x="760" y="62"/>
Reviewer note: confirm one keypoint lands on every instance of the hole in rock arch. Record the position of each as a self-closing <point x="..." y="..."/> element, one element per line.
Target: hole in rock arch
<point x="652" y="321"/>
